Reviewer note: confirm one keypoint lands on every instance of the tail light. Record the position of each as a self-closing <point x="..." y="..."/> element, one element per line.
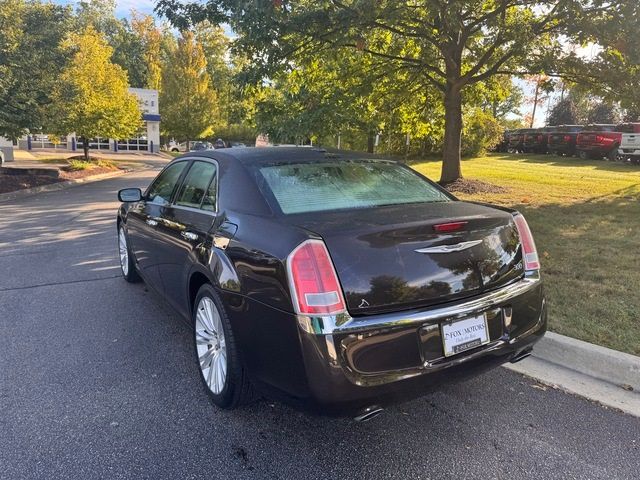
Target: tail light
<point x="529" y="251"/>
<point x="567" y="138"/>
<point x="313" y="281"/>
<point x="540" y="137"/>
<point x="599" y="139"/>
<point x="449" y="227"/>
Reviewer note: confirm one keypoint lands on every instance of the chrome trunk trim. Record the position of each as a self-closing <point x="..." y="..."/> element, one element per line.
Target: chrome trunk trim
<point x="344" y="323"/>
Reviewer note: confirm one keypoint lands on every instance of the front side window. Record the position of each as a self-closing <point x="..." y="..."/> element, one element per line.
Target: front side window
<point x="162" y="188"/>
<point x="346" y="184"/>
<point x="196" y="185"/>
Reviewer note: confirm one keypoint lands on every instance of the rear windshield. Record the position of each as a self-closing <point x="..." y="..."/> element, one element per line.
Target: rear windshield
<point x="346" y="184"/>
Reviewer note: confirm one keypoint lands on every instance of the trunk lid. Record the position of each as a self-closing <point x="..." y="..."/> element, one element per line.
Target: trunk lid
<point x="374" y="253"/>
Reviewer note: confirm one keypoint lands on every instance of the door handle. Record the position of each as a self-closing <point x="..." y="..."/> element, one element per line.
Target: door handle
<point x="189" y="235"/>
<point x="151" y="222"/>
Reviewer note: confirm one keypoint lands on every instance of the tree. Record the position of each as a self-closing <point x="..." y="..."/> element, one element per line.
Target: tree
<point x="150" y="36"/>
<point x="542" y="87"/>
<point x="92" y="97"/>
<point x="564" y="112"/>
<point x="497" y="95"/>
<point x="447" y="45"/>
<point x="130" y="53"/>
<point x="603" y="112"/>
<point x="30" y="63"/>
<point x="188" y="104"/>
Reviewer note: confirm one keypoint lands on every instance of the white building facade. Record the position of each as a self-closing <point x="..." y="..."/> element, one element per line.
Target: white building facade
<point x="147" y="139"/>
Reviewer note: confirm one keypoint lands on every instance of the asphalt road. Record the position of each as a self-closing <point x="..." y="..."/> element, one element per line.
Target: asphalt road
<point x="98" y="380"/>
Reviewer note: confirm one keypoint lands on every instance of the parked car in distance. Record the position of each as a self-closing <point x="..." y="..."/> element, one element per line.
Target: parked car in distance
<point x="562" y="139"/>
<point x="199" y="146"/>
<point x="503" y="146"/>
<point x="535" y="141"/>
<point x="331" y="280"/>
<point x="630" y="147"/>
<point x="176" y="147"/>
<point x="516" y="139"/>
<point x="598" y="141"/>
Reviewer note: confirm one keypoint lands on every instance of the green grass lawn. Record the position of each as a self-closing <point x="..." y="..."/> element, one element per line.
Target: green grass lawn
<point x="585" y="216"/>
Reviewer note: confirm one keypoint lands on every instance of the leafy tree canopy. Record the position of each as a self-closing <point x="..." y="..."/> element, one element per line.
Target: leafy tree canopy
<point x="92" y="97"/>
<point x="443" y="45"/>
<point x="188" y="104"/>
<point x="30" y="61"/>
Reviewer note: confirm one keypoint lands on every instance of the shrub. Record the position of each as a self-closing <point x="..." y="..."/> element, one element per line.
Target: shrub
<point x="77" y="165"/>
<point x="482" y="132"/>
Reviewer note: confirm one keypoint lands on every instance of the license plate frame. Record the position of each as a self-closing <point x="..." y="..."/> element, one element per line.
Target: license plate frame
<point x="461" y="335"/>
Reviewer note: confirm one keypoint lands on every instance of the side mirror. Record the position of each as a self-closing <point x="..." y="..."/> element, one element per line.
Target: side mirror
<point x="130" y="195"/>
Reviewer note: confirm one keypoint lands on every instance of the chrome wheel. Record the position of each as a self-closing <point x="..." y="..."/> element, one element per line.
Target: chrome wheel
<point x="124" y="252"/>
<point x="211" y="345"/>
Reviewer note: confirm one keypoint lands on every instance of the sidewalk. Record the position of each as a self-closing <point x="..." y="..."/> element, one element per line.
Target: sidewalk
<point x="34" y="158"/>
<point x="600" y="374"/>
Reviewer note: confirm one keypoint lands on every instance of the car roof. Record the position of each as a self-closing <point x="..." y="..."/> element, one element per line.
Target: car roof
<point x="256" y="156"/>
<point x="241" y="192"/>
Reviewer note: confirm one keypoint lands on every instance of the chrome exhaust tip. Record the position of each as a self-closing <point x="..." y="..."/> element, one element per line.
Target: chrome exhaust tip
<point x="368" y="413"/>
<point x="522" y="355"/>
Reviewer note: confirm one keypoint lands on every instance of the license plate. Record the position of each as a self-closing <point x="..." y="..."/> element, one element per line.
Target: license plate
<point x="463" y="335"/>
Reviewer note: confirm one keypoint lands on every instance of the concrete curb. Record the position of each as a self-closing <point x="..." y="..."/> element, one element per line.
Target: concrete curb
<point x="27" y="192"/>
<point x="608" y="365"/>
<point x="607" y="376"/>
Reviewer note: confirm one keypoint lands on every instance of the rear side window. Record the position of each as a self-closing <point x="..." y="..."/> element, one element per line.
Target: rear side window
<point x="162" y="188"/>
<point x="314" y="187"/>
<point x="210" y="201"/>
<point x="196" y="184"/>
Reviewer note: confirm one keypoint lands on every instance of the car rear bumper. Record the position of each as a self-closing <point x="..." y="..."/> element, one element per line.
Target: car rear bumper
<point x="355" y="363"/>
<point x="562" y="147"/>
<point x="594" y="149"/>
<point x="629" y="151"/>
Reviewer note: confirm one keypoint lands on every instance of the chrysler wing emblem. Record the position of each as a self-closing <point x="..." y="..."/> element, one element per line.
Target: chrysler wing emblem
<point x="450" y="248"/>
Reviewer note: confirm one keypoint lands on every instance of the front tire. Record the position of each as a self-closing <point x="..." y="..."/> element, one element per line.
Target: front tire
<point x="127" y="265"/>
<point x="217" y="353"/>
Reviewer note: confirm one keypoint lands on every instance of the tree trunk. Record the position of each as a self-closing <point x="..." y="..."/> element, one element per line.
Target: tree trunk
<point x="535" y="104"/>
<point x="371" y="142"/>
<point x="451" y="170"/>
<point x="85" y="147"/>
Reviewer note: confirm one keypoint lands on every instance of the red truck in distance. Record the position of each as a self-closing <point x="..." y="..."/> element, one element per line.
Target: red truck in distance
<point x="603" y="140"/>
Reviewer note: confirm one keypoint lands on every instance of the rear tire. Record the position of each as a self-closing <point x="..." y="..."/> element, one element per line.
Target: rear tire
<point x="217" y="354"/>
<point x="612" y="156"/>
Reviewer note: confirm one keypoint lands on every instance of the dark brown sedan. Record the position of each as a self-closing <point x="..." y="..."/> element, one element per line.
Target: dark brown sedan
<point x="331" y="281"/>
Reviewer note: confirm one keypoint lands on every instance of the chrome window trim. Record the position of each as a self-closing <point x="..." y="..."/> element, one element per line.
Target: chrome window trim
<point x="191" y="160"/>
<point x="192" y="209"/>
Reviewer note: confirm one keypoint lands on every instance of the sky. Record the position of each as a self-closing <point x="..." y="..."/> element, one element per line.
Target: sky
<point x="123" y="7"/>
